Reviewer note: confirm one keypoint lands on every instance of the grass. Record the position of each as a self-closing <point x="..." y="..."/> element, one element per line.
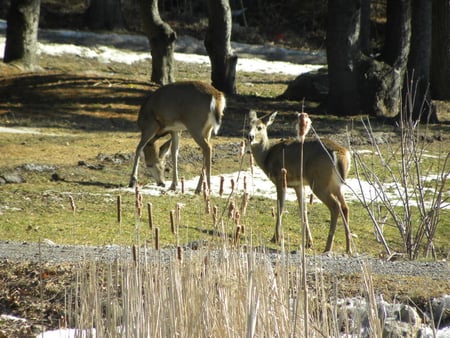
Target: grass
<point x="84" y="110"/>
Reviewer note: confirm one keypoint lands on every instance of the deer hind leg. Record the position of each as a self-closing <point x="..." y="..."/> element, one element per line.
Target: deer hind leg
<point x="299" y="191"/>
<point x="345" y="216"/>
<point x="148" y="135"/>
<point x="324" y="194"/>
<point x="281" y="197"/>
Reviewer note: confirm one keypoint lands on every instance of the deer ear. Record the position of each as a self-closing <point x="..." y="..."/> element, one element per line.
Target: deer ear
<point x="271" y="118"/>
<point x="164" y="149"/>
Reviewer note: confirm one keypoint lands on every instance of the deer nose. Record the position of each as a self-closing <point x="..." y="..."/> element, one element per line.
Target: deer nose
<point x="250" y="137"/>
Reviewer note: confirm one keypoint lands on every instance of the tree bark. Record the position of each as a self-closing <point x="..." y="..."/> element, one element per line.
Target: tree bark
<point x="104" y="14"/>
<point x="440" y="56"/>
<point x="218" y="46"/>
<point x="22" y="32"/>
<point x="365" y="26"/>
<point x="343" y="49"/>
<point x="162" y="42"/>
<point x="417" y="93"/>
<point x="359" y="83"/>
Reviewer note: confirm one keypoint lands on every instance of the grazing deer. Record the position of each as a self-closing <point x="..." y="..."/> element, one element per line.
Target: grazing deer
<point x="325" y="167"/>
<point x="193" y="106"/>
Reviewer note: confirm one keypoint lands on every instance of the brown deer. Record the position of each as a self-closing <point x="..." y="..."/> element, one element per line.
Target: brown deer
<point x="191" y="105"/>
<point x="325" y="167"/>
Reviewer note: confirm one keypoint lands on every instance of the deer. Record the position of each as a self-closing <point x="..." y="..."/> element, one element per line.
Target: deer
<point x="325" y="168"/>
<point x="188" y="105"/>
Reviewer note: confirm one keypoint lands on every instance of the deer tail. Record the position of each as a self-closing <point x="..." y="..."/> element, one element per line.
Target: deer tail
<point x="218" y="104"/>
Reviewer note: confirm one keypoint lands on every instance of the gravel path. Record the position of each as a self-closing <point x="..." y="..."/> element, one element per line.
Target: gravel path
<point x="339" y="264"/>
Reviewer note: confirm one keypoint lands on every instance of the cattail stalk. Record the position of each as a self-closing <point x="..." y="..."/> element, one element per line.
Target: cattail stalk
<point x="72" y="204"/>
<point x="172" y="221"/>
<point x="150" y="215"/>
<point x="180" y="253"/>
<point x="214" y="215"/>
<point x="119" y="209"/>
<point x="156" y="238"/>
<point x="245" y="199"/>
<point x="222" y="180"/>
<point x="284" y="178"/>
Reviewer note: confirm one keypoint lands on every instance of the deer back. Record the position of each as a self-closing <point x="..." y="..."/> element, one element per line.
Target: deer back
<point x="183" y="105"/>
<point x="323" y="161"/>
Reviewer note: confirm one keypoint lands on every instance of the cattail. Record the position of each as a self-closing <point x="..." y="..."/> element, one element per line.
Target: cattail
<point x="180" y="253"/>
<point x="284" y="177"/>
<point x="242" y="149"/>
<point x="172" y="221"/>
<point x="237" y="235"/>
<point x="245" y="183"/>
<point x="303" y="126"/>
<point x="214" y="215"/>
<point x="311" y="197"/>
<point x="237" y="217"/>
<point x="139" y="201"/>
<point x="231" y="209"/>
<point x="232" y="185"/>
<point x="182" y="184"/>
<point x="208" y="206"/>
<point x="72" y="204"/>
<point x="119" y="209"/>
<point x="150" y="215"/>
<point x="156" y="238"/>
<point x="245" y="198"/>
<point x="134" y="253"/>
<point x="222" y="180"/>
<point x="205" y="191"/>
<point x="273" y="212"/>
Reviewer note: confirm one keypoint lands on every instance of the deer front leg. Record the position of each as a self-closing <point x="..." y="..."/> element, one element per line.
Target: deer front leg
<point x="281" y="196"/>
<point x="174" y="150"/>
<point x="146" y="136"/>
<point x="206" y="169"/>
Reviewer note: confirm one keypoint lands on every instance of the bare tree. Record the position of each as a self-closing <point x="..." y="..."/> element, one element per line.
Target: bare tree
<point x="162" y="42"/>
<point x="22" y="32"/>
<point x="218" y="46"/>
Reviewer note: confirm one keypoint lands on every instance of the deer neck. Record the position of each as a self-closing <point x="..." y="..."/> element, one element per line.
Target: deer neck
<point x="260" y="151"/>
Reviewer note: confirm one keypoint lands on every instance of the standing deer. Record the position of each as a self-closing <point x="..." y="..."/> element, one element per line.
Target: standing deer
<point x="325" y="167"/>
<point x="191" y="105"/>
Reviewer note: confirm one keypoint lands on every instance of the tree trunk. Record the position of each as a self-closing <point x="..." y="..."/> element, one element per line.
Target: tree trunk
<point x="440" y="57"/>
<point x="22" y="32"/>
<point x="358" y="83"/>
<point x="104" y="14"/>
<point x="365" y="26"/>
<point x="218" y="46"/>
<point x="342" y="50"/>
<point x="162" y="42"/>
<point x="417" y="93"/>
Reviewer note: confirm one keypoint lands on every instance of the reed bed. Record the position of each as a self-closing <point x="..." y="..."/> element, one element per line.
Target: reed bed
<point x="226" y="292"/>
